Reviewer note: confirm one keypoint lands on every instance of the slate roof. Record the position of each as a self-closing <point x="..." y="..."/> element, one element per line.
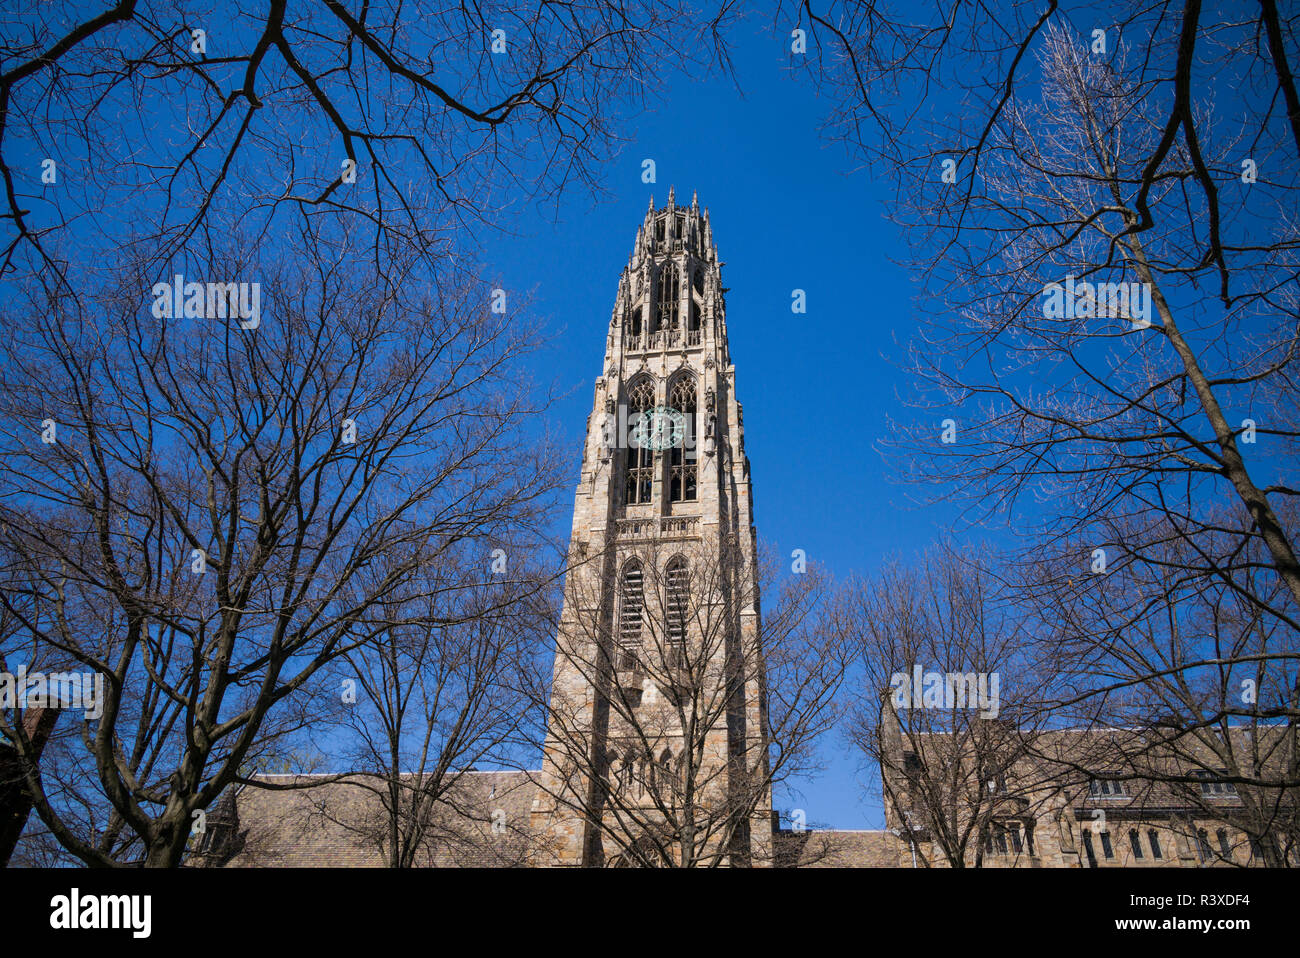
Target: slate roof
<point x="298" y="821"/>
<point x="836" y="849"/>
<point x="342" y="823"/>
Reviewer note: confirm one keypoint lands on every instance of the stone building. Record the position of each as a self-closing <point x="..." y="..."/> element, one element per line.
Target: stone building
<point x="996" y="796"/>
<point x="656" y="752"/>
<point x="660" y="624"/>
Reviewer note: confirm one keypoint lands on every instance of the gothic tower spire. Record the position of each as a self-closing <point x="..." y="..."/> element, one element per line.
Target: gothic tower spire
<point x="657" y="712"/>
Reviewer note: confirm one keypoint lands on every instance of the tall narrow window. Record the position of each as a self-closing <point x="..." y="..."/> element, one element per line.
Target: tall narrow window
<point x="1154" y="838"/>
<point x="1261" y="847"/>
<point x="1224" y="846"/>
<point x="682" y="460"/>
<point x="1106" y="848"/>
<point x="678" y="602"/>
<point x="1087" y="847"/>
<point x="632" y="778"/>
<point x="698" y="281"/>
<point x="632" y="602"/>
<point x="1203" y="845"/>
<point x="667" y="776"/>
<point x="640" y="460"/>
<point x="1000" y="839"/>
<point x="1135" y="841"/>
<point x="669" y="290"/>
<point x="634" y="329"/>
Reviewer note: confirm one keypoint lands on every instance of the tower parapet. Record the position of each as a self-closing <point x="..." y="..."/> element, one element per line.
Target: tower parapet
<point x="670" y="293"/>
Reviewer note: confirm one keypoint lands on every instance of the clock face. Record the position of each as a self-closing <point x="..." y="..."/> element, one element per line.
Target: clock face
<point x="659" y="428"/>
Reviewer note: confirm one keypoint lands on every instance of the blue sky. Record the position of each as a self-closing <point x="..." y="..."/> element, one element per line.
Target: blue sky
<point x="789" y="211"/>
<point x="816" y="387"/>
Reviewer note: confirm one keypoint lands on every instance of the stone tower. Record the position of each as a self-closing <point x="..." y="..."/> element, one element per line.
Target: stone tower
<point x="656" y="744"/>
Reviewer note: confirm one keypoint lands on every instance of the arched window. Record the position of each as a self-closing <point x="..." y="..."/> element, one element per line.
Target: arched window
<point x="678" y="609"/>
<point x="619" y="764"/>
<point x="634" y="325"/>
<point x="669" y="291"/>
<point x="632" y="604"/>
<point x="640" y="460"/>
<point x="698" y="281"/>
<point x="630" y="779"/>
<point x="668" y="782"/>
<point x="659" y="777"/>
<point x="682" y="485"/>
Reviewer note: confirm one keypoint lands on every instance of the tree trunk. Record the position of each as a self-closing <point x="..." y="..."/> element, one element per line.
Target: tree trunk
<point x="15" y="799"/>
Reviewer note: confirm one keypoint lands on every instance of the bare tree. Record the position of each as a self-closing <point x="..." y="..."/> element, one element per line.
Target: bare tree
<point x="1110" y="280"/>
<point x="217" y="512"/>
<point x="442" y="692"/>
<point x="1106" y="233"/>
<point x="148" y="143"/>
<point x="408" y="119"/>
<point x="695" y="718"/>
<point x="1197" y="670"/>
<point x="951" y="699"/>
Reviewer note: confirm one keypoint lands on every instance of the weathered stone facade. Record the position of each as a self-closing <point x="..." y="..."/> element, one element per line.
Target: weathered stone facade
<point x="656" y="749"/>
<point x="1085" y="798"/>
<point x="667" y="372"/>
